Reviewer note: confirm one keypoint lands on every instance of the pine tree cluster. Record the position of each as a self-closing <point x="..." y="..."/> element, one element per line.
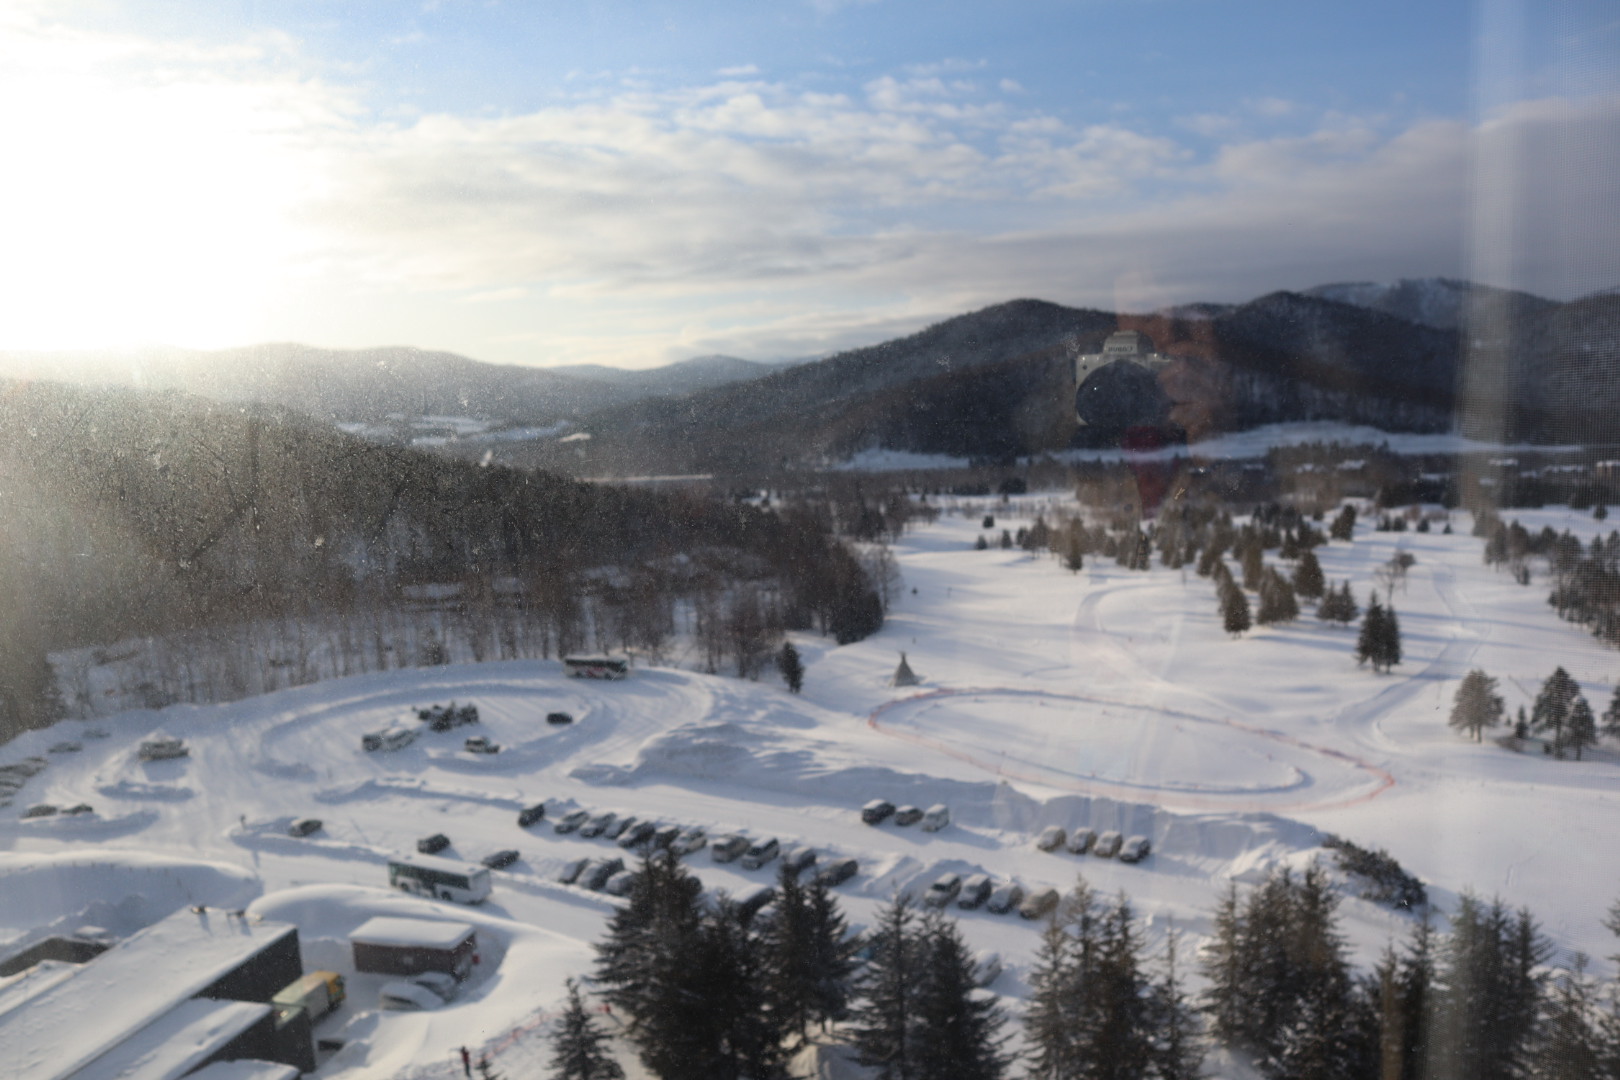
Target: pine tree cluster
<point x="1380" y="640"/>
<point x="1563" y="713"/>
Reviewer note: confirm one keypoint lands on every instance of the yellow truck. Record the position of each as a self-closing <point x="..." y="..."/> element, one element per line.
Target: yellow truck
<point x="317" y="993"/>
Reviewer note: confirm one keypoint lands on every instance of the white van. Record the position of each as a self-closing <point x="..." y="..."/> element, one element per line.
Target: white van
<point x="936" y="817"/>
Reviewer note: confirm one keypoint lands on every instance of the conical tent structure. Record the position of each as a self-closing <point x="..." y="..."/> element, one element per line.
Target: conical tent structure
<point x="903" y="675"/>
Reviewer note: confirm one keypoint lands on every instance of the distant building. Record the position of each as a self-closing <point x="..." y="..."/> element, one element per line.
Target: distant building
<point x="187" y="991"/>
<point x="389" y="945"/>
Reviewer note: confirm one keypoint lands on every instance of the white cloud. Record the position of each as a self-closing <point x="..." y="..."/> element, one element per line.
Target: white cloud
<point x="738" y="72"/>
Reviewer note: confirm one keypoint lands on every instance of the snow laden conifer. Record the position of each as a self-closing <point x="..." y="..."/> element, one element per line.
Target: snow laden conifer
<point x="1570" y="1043"/>
<point x="1308" y="580"/>
<point x="1551" y="711"/>
<point x="1380" y="641"/>
<point x="884" y="1028"/>
<point x="809" y="957"/>
<point x="1477" y="705"/>
<point x="1404" y="989"/>
<point x="960" y="1030"/>
<point x="578" y="1052"/>
<point x="1491" y="989"/>
<point x="1234" y="607"/>
<point x="1277" y="603"/>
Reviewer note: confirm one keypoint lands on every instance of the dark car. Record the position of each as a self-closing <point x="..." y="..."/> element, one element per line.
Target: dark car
<point x="837" y="872"/>
<point x="599" y="824"/>
<point x="908" y="815"/>
<point x="570" y="822"/>
<point x="41" y="810"/>
<point x="664" y="838"/>
<point x="304" y="826"/>
<point x="597" y="873"/>
<point x="79" y="808"/>
<point x="975" y="891"/>
<point x="798" y="860"/>
<point x="571" y="870"/>
<point x="531" y="814"/>
<point x="500" y="860"/>
<point x="432" y="845"/>
<point x="876" y="811"/>
<point x="559" y="718"/>
<point x="639" y="834"/>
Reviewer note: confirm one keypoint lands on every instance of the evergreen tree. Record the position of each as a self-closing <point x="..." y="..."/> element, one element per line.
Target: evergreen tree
<point x="1491" y="994"/>
<point x="1177" y="1051"/>
<point x="791" y="667"/>
<point x="1570" y="1046"/>
<point x="1550" y="713"/>
<point x="662" y="911"/>
<point x="1234" y="610"/>
<point x="1344" y="526"/>
<point x="832" y="957"/>
<point x="1390" y="643"/>
<point x="1252" y="560"/>
<point x="1277" y="603"/>
<point x="1581" y="730"/>
<point x="577" y="1050"/>
<point x="1049" y="1028"/>
<point x="741" y="1035"/>
<point x="1611" y="715"/>
<point x="1006" y="540"/>
<point x="1225" y="971"/>
<point x="809" y="958"/>
<point x="959" y="1032"/>
<point x="884" y="1028"/>
<point x="1405" y="993"/>
<point x="981" y="544"/>
<point x="1477" y="705"/>
<point x="1322" y="1035"/>
<point x="1308" y="580"/>
<point x="1123" y="1045"/>
<point x="1074" y="550"/>
<point x="1369" y="644"/>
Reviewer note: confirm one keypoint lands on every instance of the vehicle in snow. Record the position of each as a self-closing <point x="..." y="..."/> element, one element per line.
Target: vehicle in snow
<point x="907" y="815"/>
<point x="837" y="872"/>
<point x="1080" y="840"/>
<point x="317" y="993"/>
<point x="557" y="719"/>
<point x="1135" y="849"/>
<point x="68" y="747"/>
<point x="617" y="829"/>
<point x="599" y="824"/>
<point x="689" y="841"/>
<point x="407" y="995"/>
<point x="480" y="744"/>
<point x="750" y="901"/>
<point x="394" y="738"/>
<point x="943" y="890"/>
<point x="500" y="860"/>
<point x="620" y="884"/>
<point x="638" y="835"/>
<point x="664" y="837"/>
<point x="1039" y="904"/>
<point x="760" y="852"/>
<point x="975" y="891"/>
<point x="729" y="847"/>
<point x="162" y="747"/>
<point x="1004" y="898"/>
<point x="1050" y="838"/>
<point x="529" y="815"/>
<point x="799" y="859"/>
<point x="40" y="810"/>
<point x="876" y="811"/>
<point x="1107" y="845"/>
<point x="936" y="817"/>
<point x="986" y="967"/>
<point x="441" y="879"/>
<point x="445" y="717"/>
<point x="432" y="845"/>
<point x="571" y="821"/>
<point x="596" y="667"/>
<point x="442" y="983"/>
<point x="596" y="875"/>
<point x="304" y="826"/>
<point x="78" y="808"/>
<point x="571" y="870"/>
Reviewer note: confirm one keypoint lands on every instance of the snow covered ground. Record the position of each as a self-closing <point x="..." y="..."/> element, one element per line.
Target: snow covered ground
<point x="1108" y="698"/>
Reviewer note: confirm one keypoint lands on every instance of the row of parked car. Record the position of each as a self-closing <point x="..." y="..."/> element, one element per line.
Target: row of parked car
<point x="981" y="891"/>
<point x="1103" y="845"/>
<point x="933" y="819"/>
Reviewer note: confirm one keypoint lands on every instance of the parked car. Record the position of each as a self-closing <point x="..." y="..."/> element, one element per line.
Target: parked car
<point x="750" y="901"/>
<point x="617" y="829"/>
<point x="40" y="810"/>
<point x="907" y="815"/>
<point x="620" y="884"/>
<point x="837" y="872"/>
<point x="1135" y="849"/>
<point x="445" y="717"/>
<point x="304" y="826"/>
<point x="394" y="738"/>
<point x="986" y="967"/>
<point x="638" y="835"/>
<point x="664" y="837"/>
<point x="571" y="821"/>
<point x="68" y="747"/>
<point x="936" y="817"/>
<point x="79" y="808"/>
<point x="162" y="747"/>
<point x="441" y="983"/>
<point x="596" y="875"/>
<point x="689" y="841"/>
<point x="1080" y="840"/>
<point x="799" y="859"/>
<point x="404" y="995"/>
<point x="559" y="718"/>
<point x="760" y="852"/>
<point x="1107" y="845"/>
<point x="571" y="870"/>
<point x="729" y="847"/>
<point x="480" y="744"/>
<point x="975" y="891"/>
<point x="1004" y="898"/>
<point x="1039" y="904"/>
<point x="943" y="890"/>
<point x="599" y="824"/>
<point x="1050" y="838"/>
<point x="432" y="845"/>
<point x="529" y="815"/>
<point x="500" y="860"/>
<point x="874" y="812"/>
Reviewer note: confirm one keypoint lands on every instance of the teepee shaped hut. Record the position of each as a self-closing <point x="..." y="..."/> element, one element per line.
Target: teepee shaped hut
<point x="903" y="675"/>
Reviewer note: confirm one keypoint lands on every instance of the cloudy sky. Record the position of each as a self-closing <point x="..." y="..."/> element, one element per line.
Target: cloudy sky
<point x="633" y="181"/>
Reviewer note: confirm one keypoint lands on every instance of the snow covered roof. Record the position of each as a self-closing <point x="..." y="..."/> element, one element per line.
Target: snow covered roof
<point x="177" y="1042"/>
<point x="423" y="933"/>
<point x="127" y="988"/>
<point x="246" y="1069"/>
<point x="25" y="986"/>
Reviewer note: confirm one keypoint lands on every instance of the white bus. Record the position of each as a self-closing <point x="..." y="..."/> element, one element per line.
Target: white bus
<point x="441" y="879"/>
<point x="596" y="667"/>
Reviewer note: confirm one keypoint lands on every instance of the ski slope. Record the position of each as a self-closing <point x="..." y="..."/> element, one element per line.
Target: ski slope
<point x="1106" y="697"/>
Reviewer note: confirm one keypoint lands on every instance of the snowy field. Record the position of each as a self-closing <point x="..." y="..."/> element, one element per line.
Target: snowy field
<point x="1106" y="698"/>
